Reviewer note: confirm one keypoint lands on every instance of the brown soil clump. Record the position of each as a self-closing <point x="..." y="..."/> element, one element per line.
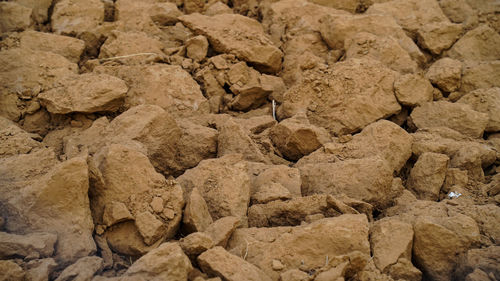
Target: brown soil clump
<point x="284" y="140"/>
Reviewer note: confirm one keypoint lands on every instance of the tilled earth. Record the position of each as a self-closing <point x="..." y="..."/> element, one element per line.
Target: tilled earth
<point x="250" y="140"/>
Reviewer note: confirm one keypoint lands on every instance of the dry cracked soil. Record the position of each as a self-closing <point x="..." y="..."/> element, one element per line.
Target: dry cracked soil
<point x="235" y="140"/>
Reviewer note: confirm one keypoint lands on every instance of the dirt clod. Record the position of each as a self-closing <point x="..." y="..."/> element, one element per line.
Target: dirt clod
<point x="284" y="140"/>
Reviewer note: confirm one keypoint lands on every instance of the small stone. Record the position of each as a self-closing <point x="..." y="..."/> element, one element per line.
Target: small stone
<point x="83" y="269"/>
<point x="313" y="218"/>
<point x="45" y="195"/>
<point x="76" y="124"/>
<point x="14" y="17"/>
<point x="197" y="48"/>
<point x="169" y="213"/>
<point x="157" y="205"/>
<point x="411" y="15"/>
<point x="218" y="8"/>
<point x="383" y="138"/>
<point x="455" y="177"/>
<point x="196" y="243"/>
<point x="413" y="90"/>
<point x="294" y="275"/>
<point x="25" y="72"/>
<point x="149" y="227"/>
<point x="277" y="265"/>
<point x="335" y="29"/>
<point x="33" y="107"/>
<point x="459" y="11"/>
<point x="194" y="6"/>
<point x="248" y="87"/>
<point x="405" y="270"/>
<point x="105" y="251"/>
<point x="437" y="95"/>
<point x="100" y="229"/>
<point x="10" y="271"/>
<point x="345" y="138"/>
<point x="115" y="212"/>
<point x="196" y="216"/>
<point x="445" y="74"/>
<point x="270" y="192"/>
<point x="222" y="229"/>
<point x="40" y="270"/>
<point x="281" y="174"/>
<point x="167" y="86"/>
<point x="428" y="174"/>
<point x="338" y="236"/>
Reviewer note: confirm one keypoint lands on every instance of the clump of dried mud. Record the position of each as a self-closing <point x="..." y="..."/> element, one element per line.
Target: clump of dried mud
<point x="250" y="140"/>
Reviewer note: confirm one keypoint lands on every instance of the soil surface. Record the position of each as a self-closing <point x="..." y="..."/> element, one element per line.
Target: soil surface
<point x="237" y="140"/>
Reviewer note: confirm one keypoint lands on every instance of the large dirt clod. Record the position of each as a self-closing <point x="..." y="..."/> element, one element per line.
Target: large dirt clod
<point x="477" y="45"/>
<point x="459" y="117"/>
<point x="238" y="35"/>
<point x="391" y="242"/>
<point x="166" y="86"/>
<point x="304" y="247"/>
<point x="335" y="29"/>
<point x="413" y="90"/>
<point x="88" y="93"/>
<point x="445" y="73"/>
<point x="14" y="17"/>
<point x="428" y="175"/>
<point x="196" y="216"/>
<point x="30" y="245"/>
<point x="68" y="47"/>
<point x="144" y="196"/>
<point x="26" y="73"/>
<point x="382" y="138"/>
<point x="476" y="75"/>
<point x="386" y="49"/>
<point x="333" y="98"/>
<point x="223" y="183"/>
<point x="167" y="262"/>
<point x="295" y="137"/>
<point x="372" y="185"/>
<point x="219" y="262"/>
<point x="15" y="140"/>
<point x="487" y="101"/>
<point x="51" y="197"/>
<point x="74" y="17"/>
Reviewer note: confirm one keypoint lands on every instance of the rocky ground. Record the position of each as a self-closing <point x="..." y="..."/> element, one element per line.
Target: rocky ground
<point x="250" y="140"/>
